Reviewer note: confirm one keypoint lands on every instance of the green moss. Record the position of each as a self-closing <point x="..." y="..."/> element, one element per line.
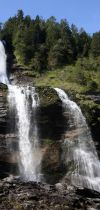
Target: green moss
<point x="89" y="107"/>
<point x="47" y="96"/>
<point x="47" y="142"/>
<point x="3" y="90"/>
<point x="3" y="87"/>
<point x="30" y="73"/>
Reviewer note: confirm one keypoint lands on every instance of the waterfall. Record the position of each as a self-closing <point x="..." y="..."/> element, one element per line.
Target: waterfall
<point x="25" y="101"/>
<point x="3" y="74"/>
<point x="80" y="147"/>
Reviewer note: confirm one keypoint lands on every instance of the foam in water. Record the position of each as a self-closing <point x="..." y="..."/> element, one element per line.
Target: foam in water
<point x="81" y="148"/>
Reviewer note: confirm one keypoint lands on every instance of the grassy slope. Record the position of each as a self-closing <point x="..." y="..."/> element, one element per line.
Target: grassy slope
<point x="80" y="79"/>
<point x="69" y="79"/>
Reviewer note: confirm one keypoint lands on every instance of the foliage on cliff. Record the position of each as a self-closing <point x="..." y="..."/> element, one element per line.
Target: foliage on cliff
<point x="82" y="77"/>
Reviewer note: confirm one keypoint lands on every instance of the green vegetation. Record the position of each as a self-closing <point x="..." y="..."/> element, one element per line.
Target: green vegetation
<point x="41" y="45"/>
<point x="82" y="77"/>
<point x="79" y="80"/>
<point x="53" y="53"/>
<point x="3" y="87"/>
<point x="47" y="142"/>
<point x="47" y="96"/>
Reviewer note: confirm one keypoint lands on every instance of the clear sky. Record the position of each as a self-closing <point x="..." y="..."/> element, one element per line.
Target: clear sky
<point x="83" y="13"/>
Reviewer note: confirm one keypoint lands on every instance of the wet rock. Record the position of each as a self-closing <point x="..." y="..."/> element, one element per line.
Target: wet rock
<point x="8" y="140"/>
<point x="52" y="127"/>
<point x="87" y="192"/>
<point x="3" y="108"/>
<point x="18" y="195"/>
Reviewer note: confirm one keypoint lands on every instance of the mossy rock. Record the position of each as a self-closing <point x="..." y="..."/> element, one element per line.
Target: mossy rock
<point x="90" y="107"/>
<point x="3" y="87"/>
<point x="52" y="166"/>
<point x="48" y="96"/>
<point x="3" y="90"/>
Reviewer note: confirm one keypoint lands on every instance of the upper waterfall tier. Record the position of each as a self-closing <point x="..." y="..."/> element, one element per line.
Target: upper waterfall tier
<point x="24" y="101"/>
<point x="3" y="68"/>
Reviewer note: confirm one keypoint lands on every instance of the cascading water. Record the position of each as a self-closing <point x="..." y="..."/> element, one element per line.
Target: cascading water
<point x="80" y="146"/>
<point x="81" y="149"/>
<point x="3" y="74"/>
<point x="25" y="100"/>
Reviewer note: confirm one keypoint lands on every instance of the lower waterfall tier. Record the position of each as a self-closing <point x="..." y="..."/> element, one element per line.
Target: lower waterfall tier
<point x="53" y="128"/>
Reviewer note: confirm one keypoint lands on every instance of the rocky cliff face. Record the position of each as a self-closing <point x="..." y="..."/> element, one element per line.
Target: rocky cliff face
<point x="52" y="124"/>
<point x="7" y="137"/>
<point x="52" y="127"/>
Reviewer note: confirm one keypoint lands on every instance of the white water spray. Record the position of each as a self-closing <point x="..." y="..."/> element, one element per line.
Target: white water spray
<point x="3" y="57"/>
<point x="81" y="148"/>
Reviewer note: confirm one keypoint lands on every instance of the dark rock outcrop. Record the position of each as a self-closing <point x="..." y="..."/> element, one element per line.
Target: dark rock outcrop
<point x="18" y="195"/>
<point x="3" y="108"/>
<point x="52" y="127"/>
<point x="8" y="160"/>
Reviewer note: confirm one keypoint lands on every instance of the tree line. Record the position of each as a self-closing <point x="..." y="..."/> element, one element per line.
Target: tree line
<point x="47" y="44"/>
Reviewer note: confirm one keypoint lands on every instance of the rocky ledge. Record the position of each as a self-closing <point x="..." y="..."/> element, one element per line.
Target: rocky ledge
<point x="18" y="195"/>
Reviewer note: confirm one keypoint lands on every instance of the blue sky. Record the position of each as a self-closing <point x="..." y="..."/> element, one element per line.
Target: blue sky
<point x="83" y="13"/>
